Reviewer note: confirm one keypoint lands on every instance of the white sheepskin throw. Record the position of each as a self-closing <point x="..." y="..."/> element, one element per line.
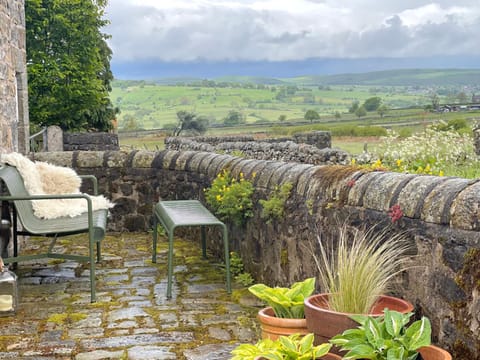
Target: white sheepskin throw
<point x="41" y="178"/>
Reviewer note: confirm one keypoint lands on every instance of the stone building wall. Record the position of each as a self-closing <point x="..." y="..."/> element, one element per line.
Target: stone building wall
<point x="14" y="125"/>
<point x="441" y="218"/>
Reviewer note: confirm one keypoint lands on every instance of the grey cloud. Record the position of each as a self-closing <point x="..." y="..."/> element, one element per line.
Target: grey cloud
<point x="241" y="33"/>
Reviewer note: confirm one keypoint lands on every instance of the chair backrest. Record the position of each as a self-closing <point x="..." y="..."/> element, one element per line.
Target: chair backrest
<point x="15" y="186"/>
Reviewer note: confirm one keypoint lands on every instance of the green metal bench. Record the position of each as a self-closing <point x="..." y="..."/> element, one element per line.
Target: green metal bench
<point x="181" y="213"/>
<point x="91" y="222"/>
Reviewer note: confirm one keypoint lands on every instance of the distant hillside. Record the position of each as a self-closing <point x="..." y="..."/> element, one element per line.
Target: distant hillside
<point x="407" y="77"/>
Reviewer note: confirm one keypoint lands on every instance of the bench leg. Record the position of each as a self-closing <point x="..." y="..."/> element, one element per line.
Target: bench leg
<point x="227" y="259"/>
<point x="99" y="252"/>
<point x="204" y="242"/>
<point x="170" y="264"/>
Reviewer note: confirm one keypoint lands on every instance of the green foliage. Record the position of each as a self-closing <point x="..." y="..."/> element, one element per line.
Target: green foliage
<point x="234" y="118"/>
<point x="238" y="271"/>
<point x="376" y="257"/>
<point x="274" y="206"/>
<point x="311" y="115"/>
<point x="231" y="199"/>
<point x="190" y="122"/>
<point x="385" y="337"/>
<point x="293" y="347"/>
<point x="429" y="152"/>
<point x="361" y="111"/>
<point x="354" y="107"/>
<point x="372" y="104"/>
<point x="285" y="302"/>
<point x="68" y="65"/>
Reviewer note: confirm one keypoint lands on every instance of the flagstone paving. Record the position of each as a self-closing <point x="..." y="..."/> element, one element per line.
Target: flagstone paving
<point x="132" y="319"/>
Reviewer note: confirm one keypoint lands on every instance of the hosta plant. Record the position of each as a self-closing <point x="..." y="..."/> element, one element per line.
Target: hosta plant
<point x="384" y="338"/>
<point x="293" y="347"/>
<point x="285" y="302"/>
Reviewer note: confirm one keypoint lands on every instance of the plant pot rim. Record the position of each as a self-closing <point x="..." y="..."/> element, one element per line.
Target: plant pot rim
<point x="309" y="302"/>
<point x="268" y="315"/>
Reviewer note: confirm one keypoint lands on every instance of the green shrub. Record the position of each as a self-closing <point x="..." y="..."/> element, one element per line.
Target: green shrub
<point x="230" y="198"/>
<point x="274" y="206"/>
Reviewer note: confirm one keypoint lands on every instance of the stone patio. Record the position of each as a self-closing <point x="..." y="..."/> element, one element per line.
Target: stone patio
<point x="132" y="319"/>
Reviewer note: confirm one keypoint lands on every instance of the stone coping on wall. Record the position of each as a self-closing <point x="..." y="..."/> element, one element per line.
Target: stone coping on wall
<point x="440" y="200"/>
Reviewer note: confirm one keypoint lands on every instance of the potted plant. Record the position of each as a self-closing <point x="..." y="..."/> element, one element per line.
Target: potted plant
<point x="292" y="347"/>
<point x="285" y="312"/>
<point x="355" y="274"/>
<point x="389" y="337"/>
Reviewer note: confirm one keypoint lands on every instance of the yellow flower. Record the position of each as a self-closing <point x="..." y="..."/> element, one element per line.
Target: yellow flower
<point x="353" y="161"/>
<point x="399" y="162"/>
<point x="440" y="173"/>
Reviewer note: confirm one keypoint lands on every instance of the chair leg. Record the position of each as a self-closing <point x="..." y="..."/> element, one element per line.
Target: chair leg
<point x="92" y="267"/>
<point x="155" y="238"/>
<point x="227" y="259"/>
<point x="170" y="264"/>
<point x="99" y="252"/>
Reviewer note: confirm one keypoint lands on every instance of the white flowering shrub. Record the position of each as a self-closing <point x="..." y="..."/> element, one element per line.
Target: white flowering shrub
<point x="431" y="152"/>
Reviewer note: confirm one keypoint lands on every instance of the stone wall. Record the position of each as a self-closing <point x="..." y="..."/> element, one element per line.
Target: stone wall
<point x="288" y="151"/>
<point x="99" y="141"/>
<point x="441" y="219"/>
<point x="14" y="125"/>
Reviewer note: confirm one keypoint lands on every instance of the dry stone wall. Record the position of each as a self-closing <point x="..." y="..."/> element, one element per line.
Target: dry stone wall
<point x="276" y="149"/>
<point x="98" y="141"/>
<point x="441" y="219"/>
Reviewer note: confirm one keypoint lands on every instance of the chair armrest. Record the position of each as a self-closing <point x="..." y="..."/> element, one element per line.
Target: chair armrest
<point x="94" y="181"/>
<point x="49" y="197"/>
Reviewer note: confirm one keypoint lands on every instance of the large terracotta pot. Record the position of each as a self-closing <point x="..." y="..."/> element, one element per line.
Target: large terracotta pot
<point x="326" y="323"/>
<point x="432" y="352"/>
<point x="274" y="327"/>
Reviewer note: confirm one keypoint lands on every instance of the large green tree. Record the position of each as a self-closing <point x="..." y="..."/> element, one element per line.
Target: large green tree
<point x="311" y="115"/>
<point x="68" y="64"/>
<point x="190" y="122"/>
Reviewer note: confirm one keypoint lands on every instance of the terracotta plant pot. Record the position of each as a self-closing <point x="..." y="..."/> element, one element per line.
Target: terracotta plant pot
<point x="326" y="323"/>
<point x="432" y="352"/>
<point x="274" y="327"/>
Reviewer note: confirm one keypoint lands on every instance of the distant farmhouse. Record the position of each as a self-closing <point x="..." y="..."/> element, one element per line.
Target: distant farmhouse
<point x="14" y="123"/>
<point x="474" y="105"/>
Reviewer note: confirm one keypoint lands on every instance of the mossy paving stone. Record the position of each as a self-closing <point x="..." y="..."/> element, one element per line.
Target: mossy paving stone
<point x="132" y="317"/>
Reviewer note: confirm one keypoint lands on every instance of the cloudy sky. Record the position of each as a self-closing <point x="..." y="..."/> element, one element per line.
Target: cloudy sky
<point x="290" y="30"/>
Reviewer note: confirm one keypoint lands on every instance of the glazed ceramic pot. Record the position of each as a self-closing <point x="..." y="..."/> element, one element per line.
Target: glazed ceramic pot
<point x="326" y="323"/>
<point x="274" y="327"/>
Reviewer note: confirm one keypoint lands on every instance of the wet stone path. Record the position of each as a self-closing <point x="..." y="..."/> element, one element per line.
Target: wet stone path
<point x="132" y="319"/>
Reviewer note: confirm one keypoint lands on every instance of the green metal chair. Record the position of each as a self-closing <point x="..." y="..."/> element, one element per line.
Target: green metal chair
<point x="91" y="222"/>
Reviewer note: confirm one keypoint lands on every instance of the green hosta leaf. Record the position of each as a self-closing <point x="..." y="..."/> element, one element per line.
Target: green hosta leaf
<point x="396" y="353"/>
<point x="288" y="344"/>
<point x="373" y="332"/>
<point x="306" y="343"/>
<point x="300" y="290"/>
<point x="321" y="350"/>
<point x="394" y="322"/>
<point x="419" y="334"/>
<point x="361" y="319"/>
<point x="361" y="352"/>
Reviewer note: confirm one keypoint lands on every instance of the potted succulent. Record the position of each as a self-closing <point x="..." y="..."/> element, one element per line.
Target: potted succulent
<point x="285" y="313"/>
<point x="389" y="337"/>
<point x="355" y="274"/>
<point x="292" y="347"/>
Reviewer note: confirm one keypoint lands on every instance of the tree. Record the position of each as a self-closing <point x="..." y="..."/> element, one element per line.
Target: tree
<point x="353" y="108"/>
<point x="234" y="118"/>
<point x="282" y="118"/>
<point x="361" y="111"/>
<point x="189" y="121"/>
<point x="68" y="64"/>
<point x="311" y="115"/>
<point x="372" y="104"/>
<point x="382" y="110"/>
